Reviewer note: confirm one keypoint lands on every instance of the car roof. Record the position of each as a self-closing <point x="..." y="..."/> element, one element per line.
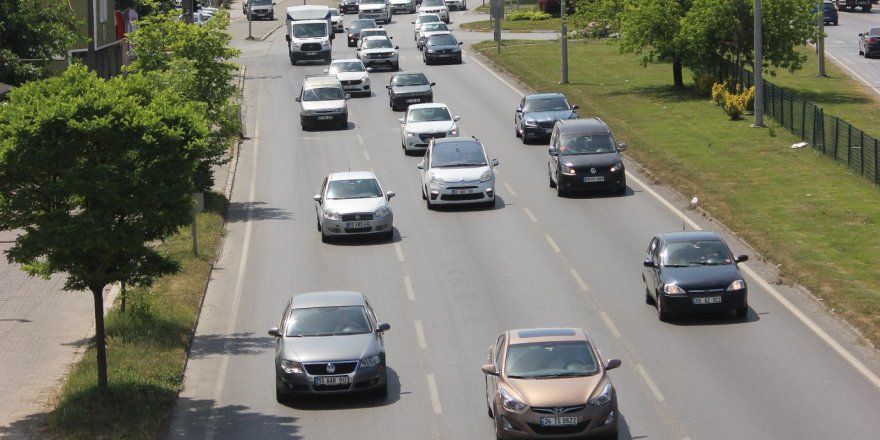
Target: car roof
<point x="544" y="95"/>
<point x="349" y="175"/>
<point x="437" y="34"/>
<point x="588" y="126"/>
<point x="456" y="140"/>
<point x="529" y="335"/>
<point x="427" y="14"/>
<point x="428" y="105"/>
<point x="374" y="29"/>
<point x="672" y="237"/>
<point x="332" y="298"/>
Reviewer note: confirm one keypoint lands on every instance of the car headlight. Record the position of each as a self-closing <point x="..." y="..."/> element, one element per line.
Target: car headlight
<point x="737" y="285"/>
<point x="437" y="180"/>
<point x="366" y="80"/>
<point x="431" y="50"/>
<point x="568" y="169"/>
<point x="453" y="131"/>
<point x="604" y="397"/>
<point x="382" y="211"/>
<point x="673" y="289"/>
<point x="486" y="176"/>
<point x="325" y="43"/>
<point x="410" y="133"/>
<point x="371" y="361"/>
<point x="617" y="167"/>
<point x="509" y="402"/>
<point x="294" y="44"/>
<point x="530" y="123"/>
<point x="291" y="367"/>
<point x="331" y="214"/>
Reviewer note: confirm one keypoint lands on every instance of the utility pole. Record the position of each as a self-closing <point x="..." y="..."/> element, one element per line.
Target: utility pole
<point x="759" y="60"/>
<point x="91" y="61"/>
<point x="250" y="18"/>
<point x="820" y="41"/>
<point x="564" y="31"/>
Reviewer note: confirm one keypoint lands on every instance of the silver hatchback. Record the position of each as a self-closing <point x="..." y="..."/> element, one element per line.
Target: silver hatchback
<point x="352" y="203"/>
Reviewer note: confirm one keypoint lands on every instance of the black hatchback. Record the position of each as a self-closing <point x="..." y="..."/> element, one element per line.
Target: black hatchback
<point x="691" y="272"/>
<point x="583" y="156"/>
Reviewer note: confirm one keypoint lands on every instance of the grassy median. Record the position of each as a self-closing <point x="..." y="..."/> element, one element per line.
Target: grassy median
<point x="810" y="216"/>
<point x="146" y="347"/>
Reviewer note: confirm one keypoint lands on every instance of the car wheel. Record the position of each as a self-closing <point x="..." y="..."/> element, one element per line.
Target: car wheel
<point x="648" y="299"/>
<point x="325" y="238"/>
<point x="424" y="196"/>
<point x="281" y="397"/>
<point x="343" y="124"/>
<point x="550" y="179"/>
<point x="861" y="52"/>
<point x="524" y="137"/>
<point x="459" y="60"/>
<point x="662" y="314"/>
<point x="490" y="204"/>
<point x="742" y="312"/>
<point x="559" y="191"/>
<point x="428" y="202"/>
<point x="495" y="423"/>
<point x="516" y="131"/>
<point x="395" y="68"/>
<point x="488" y="407"/>
<point x="319" y="225"/>
<point x="835" y="22"/>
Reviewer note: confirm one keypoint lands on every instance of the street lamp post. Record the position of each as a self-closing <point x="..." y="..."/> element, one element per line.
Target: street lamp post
<point x="820" y="40"/>
<point x="564" y="31"/>
<point x="759" y="60"/>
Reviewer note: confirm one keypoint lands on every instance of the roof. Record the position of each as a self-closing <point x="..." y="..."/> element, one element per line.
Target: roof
<point x="428" y="105"/>
<point x="321" y="80"/>
<point x="455" y="140"/>
<point x="333" y="298"/>
<point x="588" y="126"/>
<point x="671" y="237"/>
<point x="544" y="96"/>
<point x="525" y="336"/>
<point x="308" y="12"/>
<point x="351" y="175"/>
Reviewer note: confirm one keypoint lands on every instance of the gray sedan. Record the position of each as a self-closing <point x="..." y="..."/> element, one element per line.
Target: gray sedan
<point x="353" y="203"/>
<point x="329" y="343"/>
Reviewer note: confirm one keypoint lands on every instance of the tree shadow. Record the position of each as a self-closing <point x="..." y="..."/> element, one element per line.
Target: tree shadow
<point x="203" y="418"/>
<point x="243" y="211"/>
<point x="234" y="344"/>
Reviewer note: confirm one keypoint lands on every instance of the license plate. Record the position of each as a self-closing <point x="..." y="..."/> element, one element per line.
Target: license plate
<point x="708" y="300"/>
<point x="594" y="179"/>
<point x="325" y="118"/>
<point x="462" y="191"/>
<point x="445" y="55"/>
<point x="413" y="100"/>
<point x="331" y="380"/>
<point x="357" y="224"/>
<point x="559" y="421"/>
<point x="311" y="54"/>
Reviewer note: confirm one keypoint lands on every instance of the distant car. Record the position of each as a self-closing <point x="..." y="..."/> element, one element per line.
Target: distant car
<point x="258" y="8"/>
<point x="550" y="383"/>
<point x="354" y="29"/>
<point x="323" y="102"/>
<point x="348" y="6"/>
<point x="441" y="47"/>
<point x="424" y="122"/>
<point x="435" y="7"/>
<point x="421" y="19"/>
<point x="583" y="156"/>
<point x="352" y="74"/>
<point x="371" y="33"/>
<point x="829" y="12"/>
<point x="379" y="52"/>
<point x="457" y="170"/>
<point x="869" y="42"/>
<point x="692" y="272"/>
<point x="336" y="21"/>
<point x="329" y="343"/>
<point x="428" y="29"/>
<point x="407" y="88"/>
<point x="458" y="5"/>
<point x="353" y="203"/>
<point x="379" y="10"/>
<point x="537" y="114"/>
<point x="408" y="6"/>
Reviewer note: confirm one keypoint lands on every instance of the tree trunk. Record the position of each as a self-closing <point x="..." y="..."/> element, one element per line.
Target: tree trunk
<point x="676" y="73"/>
<point x="100" y="337"/>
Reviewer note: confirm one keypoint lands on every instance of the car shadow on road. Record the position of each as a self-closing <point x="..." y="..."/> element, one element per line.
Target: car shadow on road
<point x="350" y="401"/>
<point x="714" y="318"/>
<point x="598" y="194"/>
<point x="364" y="239"/>
<point x="467" y="207"/>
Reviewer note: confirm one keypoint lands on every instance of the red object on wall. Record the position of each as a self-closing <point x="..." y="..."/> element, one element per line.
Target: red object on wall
<point x="120" y="25"/>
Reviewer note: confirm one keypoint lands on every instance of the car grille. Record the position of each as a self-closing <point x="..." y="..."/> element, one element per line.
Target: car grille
<point x="705" y="291"/>
<point x="358" y="230"/>
<point x="357" y="217"/>
<point x="546" y="124"/>
<point x="446" y="51"/>
<point x="558" y="430"/>
<point x="471" y="196"/>
<point x="351" y="83"/>
<point x="559" y="410"/>
<point x="311" y="47"/>
<point x="432" y="11"/>
<point x="425" y="137"/>
<point x="320" y="369"/>
<point x="586" y="170"/>
<point x="332" y="388"/>
<point x="380" y="55"/>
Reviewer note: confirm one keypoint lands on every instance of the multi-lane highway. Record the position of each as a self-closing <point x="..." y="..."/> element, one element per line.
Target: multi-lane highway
<point x="842" y="46"/>
<point x="451" y="280"/>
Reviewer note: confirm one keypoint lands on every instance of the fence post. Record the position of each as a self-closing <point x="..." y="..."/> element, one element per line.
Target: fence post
<point x="803" y="119"/>
<point x="876" y="172"/>
<point x="862" y="153"/>
<point x="836" y="135"/>
<point x="848" y="144"/>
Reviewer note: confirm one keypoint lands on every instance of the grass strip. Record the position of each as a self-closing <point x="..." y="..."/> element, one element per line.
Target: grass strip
<point x="146" y="346"/>
<point x="550" y="24"/>
<point x="809" y="215"/>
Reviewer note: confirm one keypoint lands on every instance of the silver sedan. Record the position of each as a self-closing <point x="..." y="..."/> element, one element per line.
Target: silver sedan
<point x="352" y="203"/>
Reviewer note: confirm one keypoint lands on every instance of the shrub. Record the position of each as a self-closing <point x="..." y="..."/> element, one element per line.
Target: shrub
<point x="734" y="104"/>
<point x="527" y="14"/>
<point x="705" y="84"/>
<point x="719" y="92"/>
<point x="750" y="99"/>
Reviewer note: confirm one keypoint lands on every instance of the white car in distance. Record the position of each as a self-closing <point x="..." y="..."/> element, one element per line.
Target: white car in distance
<point x="422" y="19"/>
<point x="424" y="122"/>
<point x="352" y="74"/>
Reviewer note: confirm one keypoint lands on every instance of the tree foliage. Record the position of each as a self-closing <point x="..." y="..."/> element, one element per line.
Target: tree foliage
<point x="31" y="33"/>
<point x="91" y="172"/>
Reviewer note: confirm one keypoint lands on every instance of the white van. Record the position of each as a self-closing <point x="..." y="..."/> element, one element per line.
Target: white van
<point x="309" y="33"/>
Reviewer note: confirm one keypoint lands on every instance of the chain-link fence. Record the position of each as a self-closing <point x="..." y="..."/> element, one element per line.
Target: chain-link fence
<point x="828" y="134"/>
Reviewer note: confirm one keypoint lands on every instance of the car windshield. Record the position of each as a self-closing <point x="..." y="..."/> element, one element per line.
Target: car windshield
<point x="429" y="18"/>
<point x="372" y="2"/>
<point x="346" y="66"/>
<point x="371" y="32"/>
<point x="362" y="24"/>
<point x="354" y="189"/>
<point x="429" y="114"/>
<point x="410" y="79"/>
<point x="328" y="321"/>
<point x="323" y="94"/>
<point x="433" y="3"/>
<point x="334" y="13"/>
<point x="551" y="359"/>
<point x="874" y="31"/>
<point x="260" y="2"/>
<point x="442" y="40"/>
<point x="309" y="30"/>
<point x="433" y="27"/>
<point x="695" y="253"/>
<point x="584" y="144"/>
<point x="382" y="43"/>
<point x="460" y="154"/>
<point x="546" y="104"/>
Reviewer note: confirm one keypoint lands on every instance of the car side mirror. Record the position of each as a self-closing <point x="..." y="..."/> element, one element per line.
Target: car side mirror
<point x="519" y="110"/>
<point x="612" y="364"/>
<point x="287" y="37"/>
<point x="433" y="84"/>
<point x="460" y="43"/>
<point x="621" y="146"/>
<point x="494" y="162"/>
<point x="489" y="369"/>
<point x="390" y="194"/>
<point x="575" y="107"/>
<point x="388" y="87"/>
<point x="274" y="332"/>
<point x="382" y="327"/>
<point x="358" y="49"/>
<point x="421" y="165"/>
<point x="456" y="118"/>
<point x="298" y="99"/>
<point x="397" y="47"/>
<point x="649" y="263"/>
<point x="317" y="198"/>
<point x="326" y="70"/>
<point x="380" y="25"/>
<point x="347" y="96"/>
<point x="412" y="22"/>
<point x="741" y="258"/>
<point x="552" y="151"/>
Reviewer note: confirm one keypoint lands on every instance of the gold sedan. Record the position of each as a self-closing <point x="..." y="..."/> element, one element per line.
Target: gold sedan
<point x="549" y="383"/>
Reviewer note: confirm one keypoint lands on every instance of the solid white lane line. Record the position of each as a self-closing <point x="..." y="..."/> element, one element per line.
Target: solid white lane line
<point x="399" y="252"/>
<point x="852" y="72"/>
<point x="407" y="283"/>
<point x="366" y="155"/>
<point x="654" y="390"/>
<point x="579" y="280"/>
<point x="435" y="396"/>
<point x="610" y="324"/>
<point x="420" y="335"/>
<point x="843" y="352"/>
<point x="531" y="216"/>
<point x="552" y="243"/>
<point x="509" y="189"/>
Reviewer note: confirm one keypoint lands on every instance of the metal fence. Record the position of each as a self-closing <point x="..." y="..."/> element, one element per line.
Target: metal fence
<point x="828" y="134"/>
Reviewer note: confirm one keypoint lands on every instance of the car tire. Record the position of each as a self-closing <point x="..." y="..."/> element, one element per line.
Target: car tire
<point x="742" y="312"/>
<point x="424" y="196"/>
<point x="662" y="314"/>
<point x="428" y="202"/>
<point x="490" y="204"/>
<point x="395" y="67"/>
<point x="516" y="131"/>
<point x="325" y="238"/>
<point x="281" y="397"/>
<point x="648" y="298"/>
<point x="524" y="138"/>
<point x="459" y="60"/>
<point x="861" y="52"/>
<point x="550" y="179"/>
<point x="559" y="191"/>
<point x="343" y="125"/>
<point x="319" y="225"/>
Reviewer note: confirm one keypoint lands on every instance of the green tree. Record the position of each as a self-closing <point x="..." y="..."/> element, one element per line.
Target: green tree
<point x="31" y="33"/>
<point x="198" y="58"/>
<point x="92" y="172"/>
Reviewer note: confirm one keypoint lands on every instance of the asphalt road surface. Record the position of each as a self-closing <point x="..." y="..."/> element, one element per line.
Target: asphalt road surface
<point x="451" y="280"/>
